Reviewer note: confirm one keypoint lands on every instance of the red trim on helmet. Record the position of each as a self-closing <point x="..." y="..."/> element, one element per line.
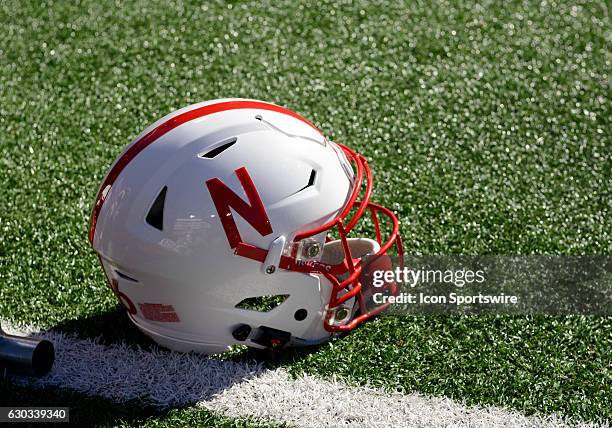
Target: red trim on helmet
<point x="166" y="127"/>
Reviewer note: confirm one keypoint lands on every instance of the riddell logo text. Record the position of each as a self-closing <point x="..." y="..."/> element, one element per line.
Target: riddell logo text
<point x="313" y="264"/>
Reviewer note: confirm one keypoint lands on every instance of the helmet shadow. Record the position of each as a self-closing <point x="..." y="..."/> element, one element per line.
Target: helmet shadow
<point x="105" y="362"/>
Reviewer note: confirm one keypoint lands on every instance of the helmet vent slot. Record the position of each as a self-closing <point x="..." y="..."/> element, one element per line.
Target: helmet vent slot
<point x="155" y="217"/>
<point x="311" y="181"/>
<point x="262" y="303"/>
<point x="219" y="149"/>
<point x="124" y="276"/>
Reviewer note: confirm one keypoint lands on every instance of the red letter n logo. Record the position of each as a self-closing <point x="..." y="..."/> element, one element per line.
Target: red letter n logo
<point x="224" y="199"/>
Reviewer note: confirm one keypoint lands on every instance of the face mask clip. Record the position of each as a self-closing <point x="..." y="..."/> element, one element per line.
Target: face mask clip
<point x="275" y="252"/>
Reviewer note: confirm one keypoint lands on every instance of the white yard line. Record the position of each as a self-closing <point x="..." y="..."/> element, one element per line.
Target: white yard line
<point x="241" y="389"/>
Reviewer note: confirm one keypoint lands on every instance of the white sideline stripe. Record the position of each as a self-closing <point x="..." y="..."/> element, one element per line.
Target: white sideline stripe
<point x="241" y="389"/>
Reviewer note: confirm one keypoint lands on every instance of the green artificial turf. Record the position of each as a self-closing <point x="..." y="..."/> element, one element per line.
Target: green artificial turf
<point x="486" y="126"/>
<point x="534" y="364"/>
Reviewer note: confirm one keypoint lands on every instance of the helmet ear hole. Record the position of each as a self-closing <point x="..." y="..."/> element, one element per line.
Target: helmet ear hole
<point x="300" y="314"/>
<point x="241" y="332"/>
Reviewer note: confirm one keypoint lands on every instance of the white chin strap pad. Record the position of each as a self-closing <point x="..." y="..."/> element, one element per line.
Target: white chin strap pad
<point x="333" y="252"/>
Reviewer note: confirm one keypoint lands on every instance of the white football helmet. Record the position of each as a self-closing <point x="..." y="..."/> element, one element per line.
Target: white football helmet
<point x="221" y="203"/>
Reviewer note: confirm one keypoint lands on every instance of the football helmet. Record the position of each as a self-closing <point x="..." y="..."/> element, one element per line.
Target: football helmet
<point x="223" y="204"/>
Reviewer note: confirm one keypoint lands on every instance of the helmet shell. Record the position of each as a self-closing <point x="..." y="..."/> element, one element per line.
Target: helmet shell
<point x="182" y="282"/>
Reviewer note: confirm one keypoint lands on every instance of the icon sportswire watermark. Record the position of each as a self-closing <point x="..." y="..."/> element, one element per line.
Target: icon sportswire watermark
<point x="489" y="284"/>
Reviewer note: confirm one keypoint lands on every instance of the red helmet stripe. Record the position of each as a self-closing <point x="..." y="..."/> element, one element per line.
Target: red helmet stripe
<point x="166" y="127"/>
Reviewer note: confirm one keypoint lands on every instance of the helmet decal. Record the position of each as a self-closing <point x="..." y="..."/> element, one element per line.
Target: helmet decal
<point x="122" y="297"/>
<point x="255" y="214"/>
<point x="158" y="312"/>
